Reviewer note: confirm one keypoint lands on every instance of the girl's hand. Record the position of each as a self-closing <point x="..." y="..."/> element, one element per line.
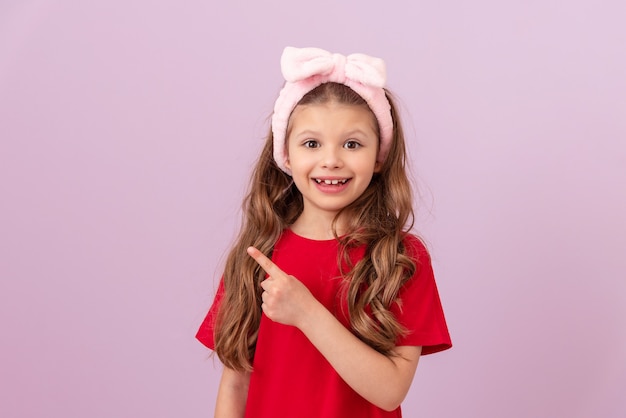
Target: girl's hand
<point x="285" y="299"/>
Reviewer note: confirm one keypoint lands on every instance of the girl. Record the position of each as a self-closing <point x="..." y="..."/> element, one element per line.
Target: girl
<point x="327" y="301"/>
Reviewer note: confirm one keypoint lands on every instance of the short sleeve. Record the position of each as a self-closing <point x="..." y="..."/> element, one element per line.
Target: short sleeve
<point x="206" y="332"/>
<point x="419" y="307"/>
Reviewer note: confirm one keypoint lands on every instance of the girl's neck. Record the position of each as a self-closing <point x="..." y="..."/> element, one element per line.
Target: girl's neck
<point x="316" y="228"/>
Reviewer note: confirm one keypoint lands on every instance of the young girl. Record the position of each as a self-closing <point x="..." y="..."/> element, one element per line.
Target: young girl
<point x="327" y="301"/>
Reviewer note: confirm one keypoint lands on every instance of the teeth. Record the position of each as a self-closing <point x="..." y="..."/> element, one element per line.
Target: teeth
<point x="331" y="182"/>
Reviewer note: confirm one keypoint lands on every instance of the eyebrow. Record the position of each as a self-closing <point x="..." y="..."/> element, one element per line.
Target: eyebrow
<point x="308" y="132"/>
<point x="360" y="131"/>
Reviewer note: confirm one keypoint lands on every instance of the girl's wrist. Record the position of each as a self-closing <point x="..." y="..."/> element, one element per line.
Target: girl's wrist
<point x="311" y="315"/>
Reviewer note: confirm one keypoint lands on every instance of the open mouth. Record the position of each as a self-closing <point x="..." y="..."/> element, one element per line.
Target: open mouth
<point x="331" y="182"/>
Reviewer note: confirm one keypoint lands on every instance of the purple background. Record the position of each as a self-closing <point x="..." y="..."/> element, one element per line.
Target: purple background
<point x="128" y="129"/>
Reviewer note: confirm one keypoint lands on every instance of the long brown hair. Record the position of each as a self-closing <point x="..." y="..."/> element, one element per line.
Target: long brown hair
<point x="379" y="219"/>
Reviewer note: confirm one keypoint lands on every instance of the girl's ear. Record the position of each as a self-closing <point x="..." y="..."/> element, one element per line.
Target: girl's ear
<point x="288" y="164"/>
<point x="377" y="167"/>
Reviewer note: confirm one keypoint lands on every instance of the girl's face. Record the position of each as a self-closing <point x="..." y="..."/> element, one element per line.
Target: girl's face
<point x="332" y="151"/>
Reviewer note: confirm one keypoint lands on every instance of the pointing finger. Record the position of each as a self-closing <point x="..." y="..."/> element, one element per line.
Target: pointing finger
<point x="265" y="263"/>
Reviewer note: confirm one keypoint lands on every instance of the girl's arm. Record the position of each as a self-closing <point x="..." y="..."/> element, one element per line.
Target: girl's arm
<point x="382" y="380"/>
<point x="232" y="394"/>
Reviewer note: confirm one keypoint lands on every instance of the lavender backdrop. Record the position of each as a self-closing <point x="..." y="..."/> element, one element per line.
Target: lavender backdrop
<point x="128" y="129"/>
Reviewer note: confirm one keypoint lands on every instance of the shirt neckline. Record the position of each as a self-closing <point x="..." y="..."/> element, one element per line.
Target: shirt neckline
<point x="321" y="241"/>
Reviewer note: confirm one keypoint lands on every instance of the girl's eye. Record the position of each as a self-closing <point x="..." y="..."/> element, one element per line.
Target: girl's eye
<point x="310" y="143"/>
<point x="352" y="144"/>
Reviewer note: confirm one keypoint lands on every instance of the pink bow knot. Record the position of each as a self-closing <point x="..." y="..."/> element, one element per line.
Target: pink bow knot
<point x="298" y="64"/>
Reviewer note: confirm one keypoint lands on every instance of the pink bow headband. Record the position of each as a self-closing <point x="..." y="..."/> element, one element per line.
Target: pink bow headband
<point x="306" y="68"/>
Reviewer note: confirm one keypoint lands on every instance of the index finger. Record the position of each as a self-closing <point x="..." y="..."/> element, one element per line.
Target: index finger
<point x="265" y="263"/>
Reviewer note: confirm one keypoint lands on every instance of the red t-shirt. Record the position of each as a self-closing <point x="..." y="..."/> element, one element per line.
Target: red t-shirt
<point x="291" y="378"/>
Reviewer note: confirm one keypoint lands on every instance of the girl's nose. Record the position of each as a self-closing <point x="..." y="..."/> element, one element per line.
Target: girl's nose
<point x="331" y="158"/>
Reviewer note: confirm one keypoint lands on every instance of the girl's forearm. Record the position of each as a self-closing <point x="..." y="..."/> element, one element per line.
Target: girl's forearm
<point x="382" y="380"/>
<point x="232" y="394"/>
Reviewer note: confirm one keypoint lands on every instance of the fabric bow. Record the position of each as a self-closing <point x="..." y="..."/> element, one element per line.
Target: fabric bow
<point x="301" y="63"/>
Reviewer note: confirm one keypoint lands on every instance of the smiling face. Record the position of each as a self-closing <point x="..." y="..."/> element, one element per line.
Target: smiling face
<point x="332" y="151"/>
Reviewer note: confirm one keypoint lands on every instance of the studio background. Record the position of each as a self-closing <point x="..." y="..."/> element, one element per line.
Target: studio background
<point x="127" y="133"/>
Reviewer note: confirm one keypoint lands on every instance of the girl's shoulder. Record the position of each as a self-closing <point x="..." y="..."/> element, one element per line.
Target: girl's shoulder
<point x="416" y="248"/>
